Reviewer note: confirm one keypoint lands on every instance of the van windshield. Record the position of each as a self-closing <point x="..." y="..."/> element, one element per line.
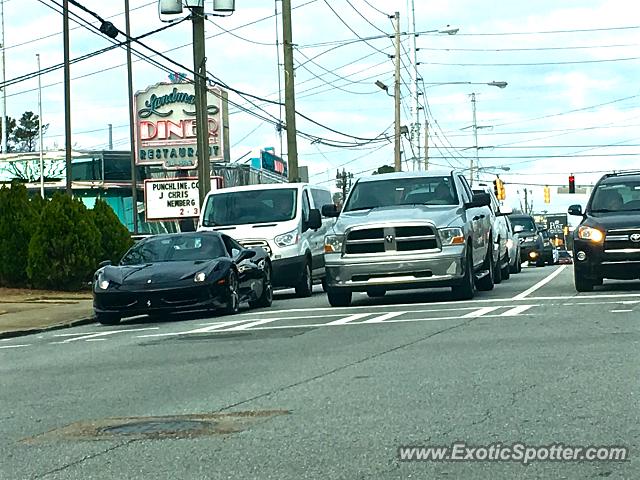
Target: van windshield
<point x="250" y="206"/>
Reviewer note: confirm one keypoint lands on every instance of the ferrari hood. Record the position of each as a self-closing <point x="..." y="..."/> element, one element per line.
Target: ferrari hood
<point x="157" y="273"/>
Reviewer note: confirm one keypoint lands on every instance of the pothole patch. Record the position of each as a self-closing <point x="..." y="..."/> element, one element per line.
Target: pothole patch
<point x="158" y="428"/>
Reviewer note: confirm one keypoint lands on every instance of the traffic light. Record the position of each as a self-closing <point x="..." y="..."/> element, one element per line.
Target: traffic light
<point x="498" y="189"/>
<point x="547" y="194"/>
<point x="572" y="184"/>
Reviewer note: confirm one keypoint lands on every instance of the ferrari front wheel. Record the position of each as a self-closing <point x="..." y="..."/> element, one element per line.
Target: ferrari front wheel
<point x="108" y="318"/>
<point x="233" y="297"/>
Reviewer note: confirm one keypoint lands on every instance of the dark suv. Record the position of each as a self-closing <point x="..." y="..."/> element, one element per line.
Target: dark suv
<point x="531" y="241"/>
<point x="607" y="241"/>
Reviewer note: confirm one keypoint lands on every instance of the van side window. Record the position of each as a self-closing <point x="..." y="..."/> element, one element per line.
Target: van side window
<point x="306" y="206"/>
<point x="320" y="198"/>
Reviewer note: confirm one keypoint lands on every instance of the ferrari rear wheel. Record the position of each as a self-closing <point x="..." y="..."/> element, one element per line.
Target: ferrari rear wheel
<point x="108" y="318"/>
<point x="266" y="298"/>
<point x="233" y="299"/>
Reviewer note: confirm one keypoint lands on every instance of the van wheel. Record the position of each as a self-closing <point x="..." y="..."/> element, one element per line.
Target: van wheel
<point x="305" y="287"/>
<point x="339" y="297"/>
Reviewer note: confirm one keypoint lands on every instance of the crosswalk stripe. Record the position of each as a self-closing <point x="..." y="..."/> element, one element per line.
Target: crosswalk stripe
<point x="382" y="318"/>
<point x="512" y="312"/>
<point x="250" y="324"/>
<point x="350" y="318"/>
<point x="480" y="312"/>
<point x="210" y="328"/>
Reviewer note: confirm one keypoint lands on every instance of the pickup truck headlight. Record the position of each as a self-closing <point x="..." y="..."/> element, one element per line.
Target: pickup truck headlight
<point x="451" y="236"/>
<point x="333" y="243"/>
<point x="509" y="243"/>
<point x="287" y="239"/>
<point x="590" y="233"/>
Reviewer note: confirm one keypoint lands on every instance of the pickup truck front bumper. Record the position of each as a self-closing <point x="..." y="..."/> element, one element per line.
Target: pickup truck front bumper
<point x="396" y="271"/>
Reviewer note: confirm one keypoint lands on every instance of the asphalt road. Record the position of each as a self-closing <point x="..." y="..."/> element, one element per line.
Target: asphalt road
<point x="304" y="391"/>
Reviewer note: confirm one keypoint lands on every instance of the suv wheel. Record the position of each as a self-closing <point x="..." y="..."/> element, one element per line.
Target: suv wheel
<point x="466" y="290"/>
<point x="582" y="284"/>
<point x="506" y="271"/>
<point x="486" y="283"/>
<point x="339" y="297"/>
<point x="376" y="292"/>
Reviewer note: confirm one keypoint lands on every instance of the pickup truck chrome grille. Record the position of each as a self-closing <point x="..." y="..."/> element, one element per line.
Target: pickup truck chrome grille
<point x="401" y="238"/>
<point x="256" y="243"/>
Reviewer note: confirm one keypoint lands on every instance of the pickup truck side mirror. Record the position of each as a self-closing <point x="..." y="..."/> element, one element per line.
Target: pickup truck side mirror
<point x="576" y="210"/>
<point x="330" y="211"/>
<point x="479" y="200"/>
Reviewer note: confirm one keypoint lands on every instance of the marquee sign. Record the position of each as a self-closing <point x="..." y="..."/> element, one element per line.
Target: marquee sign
<point x="166" y="126"/>
<point x="174" y="198"/>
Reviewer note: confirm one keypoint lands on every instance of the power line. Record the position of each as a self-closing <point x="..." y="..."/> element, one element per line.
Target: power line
<point x="545" y="32"/>
<point x="532" y="64"/>
<point x="530" y="49"/>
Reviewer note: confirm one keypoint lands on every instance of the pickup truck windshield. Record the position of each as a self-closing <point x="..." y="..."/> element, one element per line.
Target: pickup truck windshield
<point x="402" y="191"/>
<point x="250" y="206"/>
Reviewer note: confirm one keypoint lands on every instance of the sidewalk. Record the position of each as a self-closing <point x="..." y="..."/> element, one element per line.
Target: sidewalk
<point x="25" y="311"/>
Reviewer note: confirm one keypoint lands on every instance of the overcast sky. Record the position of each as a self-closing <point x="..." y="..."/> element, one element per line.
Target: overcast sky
<point x="572" y="103"/>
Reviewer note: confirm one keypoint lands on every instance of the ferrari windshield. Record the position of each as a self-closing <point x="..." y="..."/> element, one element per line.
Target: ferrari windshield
<point x="174" y="248"/>
<point x="402" y="191"/>
<point x="250" y="206"/>
<point x="616" y="196"/>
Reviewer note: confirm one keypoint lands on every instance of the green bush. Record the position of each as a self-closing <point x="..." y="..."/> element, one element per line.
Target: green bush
<point x="115" y="237"/>
<point x="17" y="222"/>
<point x="64" y="248"/>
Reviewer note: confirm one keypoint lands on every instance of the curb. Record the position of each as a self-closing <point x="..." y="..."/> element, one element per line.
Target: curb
<point x="22" y="333"/>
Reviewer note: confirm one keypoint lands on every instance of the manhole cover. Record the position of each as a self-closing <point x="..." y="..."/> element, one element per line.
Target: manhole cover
<point x="158" y="427"/>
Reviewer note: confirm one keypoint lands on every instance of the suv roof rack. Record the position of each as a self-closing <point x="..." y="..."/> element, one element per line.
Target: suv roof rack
<point x="621" y="173"/>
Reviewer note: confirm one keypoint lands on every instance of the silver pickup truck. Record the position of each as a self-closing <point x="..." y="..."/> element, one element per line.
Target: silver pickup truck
<point x="409" y="230"/>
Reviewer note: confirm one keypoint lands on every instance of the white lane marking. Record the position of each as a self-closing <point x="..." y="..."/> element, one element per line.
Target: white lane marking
<point x="480" y="312"/>
<point x="350" y="318"/>
<point x="104" y="334"/>
<point x="621" y="311"/>
<point x="384" y="317"/>
<point x="96" y="340"/>
<point x="14" y="346"/>
<point x="305" y="317"/>
<point x="210" y="328"/>
<point x="250" y="324"/>
<point x="512" y="312"/>
<point x="540" y="284"/>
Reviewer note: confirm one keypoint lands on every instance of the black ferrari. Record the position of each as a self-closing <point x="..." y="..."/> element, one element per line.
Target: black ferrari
<point x="182" y="272"/>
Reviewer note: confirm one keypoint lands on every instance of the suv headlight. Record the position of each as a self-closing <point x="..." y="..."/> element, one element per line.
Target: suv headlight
<point x="287" y="239"/>
<point x="333" y="243"/>
<point x="102" y="282"/>
<point x="451" y="236"/>
<point x="590" y="233"/>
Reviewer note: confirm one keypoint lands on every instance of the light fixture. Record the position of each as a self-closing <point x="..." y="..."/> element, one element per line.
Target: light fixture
<point x="194" y="3"/>
<point x="498" y="84"/>
<point x="224" y="5"/>
<point x="382" y="86"/>
<point x="170" y="7"/>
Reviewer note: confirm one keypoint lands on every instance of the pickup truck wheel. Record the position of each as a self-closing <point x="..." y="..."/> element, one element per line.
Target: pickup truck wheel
<point x="486" y="283"/>
<point x="466" y="290"/>
<point x="339" y="297"/>
<point x="497" y="272"/>
<point x="305" y="287"/>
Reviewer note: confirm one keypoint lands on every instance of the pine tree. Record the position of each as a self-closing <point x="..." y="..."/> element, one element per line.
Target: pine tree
<point x="115" y="238"/>
<point x="17" y="222"/>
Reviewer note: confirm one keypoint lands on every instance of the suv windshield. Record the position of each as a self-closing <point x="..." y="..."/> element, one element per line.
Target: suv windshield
<point x="250" y="206"/>
<point x="616" y="197"/>
<point x="525" y="222"/>
<point x="402" y="191"/>
<point x="174" y="248"/>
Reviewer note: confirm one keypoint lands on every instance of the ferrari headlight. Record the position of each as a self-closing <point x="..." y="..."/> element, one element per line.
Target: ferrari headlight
<point x="333" y="243"/>
<point x="451" y="236"/>
<point x="590" y="233"/>
<point x="102" y="282"/>
<point x="287" y="239"/>
<point x="200" y="277"/>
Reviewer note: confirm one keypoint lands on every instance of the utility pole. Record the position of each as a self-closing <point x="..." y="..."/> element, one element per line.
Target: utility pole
<point x="415" y="107"/>
<point x="202" y="119"/>
<point x="40" y="128"/>
<point x="396" y="95"/>
<point x="344" y="181"/>
<point x="475" y="137"/>
<point x="426" y="144"/>
<point x="110" y="136"/>
<point x="132" y="119"/>
<point x="289" y="93"/>
<point x="5" y="126"/>
<point x="67" y="94"/>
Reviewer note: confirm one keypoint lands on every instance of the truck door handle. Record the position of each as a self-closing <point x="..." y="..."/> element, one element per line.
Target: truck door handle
<point x="478" y="217"/>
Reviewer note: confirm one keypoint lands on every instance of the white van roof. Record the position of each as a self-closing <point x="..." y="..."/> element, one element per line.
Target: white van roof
<point x="266" y="186"/>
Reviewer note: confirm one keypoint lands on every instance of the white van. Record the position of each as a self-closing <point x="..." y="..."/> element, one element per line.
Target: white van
<point x="282" y="218"/>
